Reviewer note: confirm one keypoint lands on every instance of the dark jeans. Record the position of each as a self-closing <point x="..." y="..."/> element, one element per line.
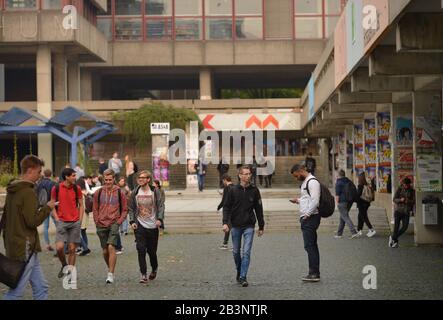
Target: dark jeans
<point x="404" y="219"/>
<point x="268" y="181"/>
<point x="146" y="242"/>
<point x="309" y="228"/>
<point x="84" y="240"/>
<point x="260" y="178"/>
<point x="363" y="216"/>
<point x="119" y="246"/>
<point x="201" y="181"/>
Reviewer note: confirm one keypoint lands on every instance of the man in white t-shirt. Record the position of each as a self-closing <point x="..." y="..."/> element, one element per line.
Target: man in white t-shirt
<point x="115" y="164"/>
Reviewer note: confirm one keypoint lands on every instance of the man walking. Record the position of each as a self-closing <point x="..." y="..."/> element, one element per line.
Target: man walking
<point x="146" y="213"/>
<point x="19" y="222"/>
<point x="242" y="208"/>
<point x="109" y="210"/>
<point x="115" y="164"/>
<point x="70" y="212"/>
<point x="404" y="200"/>
<point x="309" y="218"/>
<point x="343" y="193"/>
<point x="44" y="188"/>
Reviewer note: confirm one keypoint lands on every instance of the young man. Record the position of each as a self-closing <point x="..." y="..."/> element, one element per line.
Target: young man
<point x="115" y="164"/>
<point x="404" y="200"/>
<point x="44" y="188"/>
<point x="20" y="220"/>
<point x="200" y="167"/>
<point x="309" y="218"/>
<point x="242" y="208"/>
<point x="222" y="168"/>
<point x="344" y="206"/>
<point x="310" y="163"/>
<point x="146" y="213"/>
<point x="102" y="166"/>
<point x="109" y="210"/>
<point x="69" y="215"/>
<point x="227" y="182"/>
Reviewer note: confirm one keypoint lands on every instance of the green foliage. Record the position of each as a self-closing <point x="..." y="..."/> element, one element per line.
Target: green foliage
<point x="261" y="93"/>
<point x="5" y="178"/>
<point x="136" y="123"/>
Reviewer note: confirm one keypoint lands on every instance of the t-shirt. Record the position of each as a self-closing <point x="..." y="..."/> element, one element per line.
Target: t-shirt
<point x="146" y="211"/>
<point x="67" y="210"/>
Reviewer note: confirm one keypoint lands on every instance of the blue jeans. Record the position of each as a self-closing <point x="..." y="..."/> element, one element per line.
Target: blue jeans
<point x="201" y="181"/>
<point x="242" y="262"/>
<point x="46" y="228"/>
<point x="84" y="240"/>
<point x="33" y="274"/>
<point x="124" y="226"/>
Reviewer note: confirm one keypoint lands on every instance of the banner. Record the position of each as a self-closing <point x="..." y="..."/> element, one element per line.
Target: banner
<point x="384" y="150"/>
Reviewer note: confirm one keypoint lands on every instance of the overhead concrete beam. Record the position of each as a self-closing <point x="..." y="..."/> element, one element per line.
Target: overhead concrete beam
<point x="361" y="82"/>
<point x="345" y="96"/>
<point x="420" y="32"/>
<point x="341" y="108"/>
<point x="385" y="61"/>
<point x="402" y="97"/>
<point x="341" y="116"/>
<point x="427" y="83"/>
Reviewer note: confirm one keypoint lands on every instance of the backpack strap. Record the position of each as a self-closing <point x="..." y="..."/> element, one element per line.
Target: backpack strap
<point x="307" y="185"/>
<point x="99" y="195"/>
<point x="120" y="201"/>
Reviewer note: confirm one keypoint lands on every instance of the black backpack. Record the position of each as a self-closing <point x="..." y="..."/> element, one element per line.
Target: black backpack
<point x="351" y="193"/>
<point x="326" y="206"/>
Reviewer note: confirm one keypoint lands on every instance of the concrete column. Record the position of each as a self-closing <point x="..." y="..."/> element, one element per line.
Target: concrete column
<point x="205" y="84"/>
<point x="44" y="106"/>
<point x="2" y="82"/>
<point x="73" y="81"/>
<point x="85" y="84"/>
<point x="427" y="115"/>
<point x="60" y="77"/>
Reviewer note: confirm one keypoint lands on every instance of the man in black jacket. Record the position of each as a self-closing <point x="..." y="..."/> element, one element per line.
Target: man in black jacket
<point x="243" y="207"/>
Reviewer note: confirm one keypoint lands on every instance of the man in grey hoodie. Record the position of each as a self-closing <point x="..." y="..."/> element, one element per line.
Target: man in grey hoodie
<point x="344" y="205"/>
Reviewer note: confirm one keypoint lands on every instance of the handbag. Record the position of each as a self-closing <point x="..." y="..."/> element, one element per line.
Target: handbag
<point x="11" y="270"/>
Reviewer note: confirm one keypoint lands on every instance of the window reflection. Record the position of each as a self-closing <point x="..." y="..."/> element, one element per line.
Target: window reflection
<point x="158" y="7"/>
<point x="218" y="29"/>
<point x="128" y="7"/>
<point x="188" y="29"/>
<point x="159" y="29"/>
<point x="128" y="29"/>
<point x="249" y="28"/>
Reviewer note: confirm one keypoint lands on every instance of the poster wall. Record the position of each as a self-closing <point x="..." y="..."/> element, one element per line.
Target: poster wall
<point x="370" y="148"/>
<point x="384" y="151"/>
<point x="404" y="154"/>
<point x="359" y="155"/>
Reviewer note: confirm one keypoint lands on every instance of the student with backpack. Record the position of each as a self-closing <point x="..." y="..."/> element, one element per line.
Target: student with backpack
<point x="315" y="202"/>
<point x="44" y="188"/>
<point x="365" y="197"/>
<point x="109" y="210"/>
<point x="346" y="193"/>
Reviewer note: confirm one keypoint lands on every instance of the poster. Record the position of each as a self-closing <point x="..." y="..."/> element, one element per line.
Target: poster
<point x="160" y="165"/>
<point x="403" y="132"/>
<point x="384" y="153"/>
<point x="384" y="125"/>
<point x="428" y="135"/>
<point x="359" y="154"/>
<point x="429" y="173"/>
<point x="370" y="131"/>
<point x="370" y="172"/>
<point x="383" y="176"/>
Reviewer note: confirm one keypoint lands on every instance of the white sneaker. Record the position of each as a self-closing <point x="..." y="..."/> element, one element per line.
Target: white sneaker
<point x="338" y="237"/>
<point x="110" y="278"/>
<point x="355" y="235"/>
<point x="371" y="233"/>
<point x="390" y="242"/>
<point x="360" y="233"/>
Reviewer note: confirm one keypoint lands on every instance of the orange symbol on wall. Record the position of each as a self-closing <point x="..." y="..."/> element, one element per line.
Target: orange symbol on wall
<point x="262" y="125"/>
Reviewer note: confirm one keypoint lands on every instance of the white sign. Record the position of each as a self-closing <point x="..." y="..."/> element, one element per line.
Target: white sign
<point x="160" y="128"/>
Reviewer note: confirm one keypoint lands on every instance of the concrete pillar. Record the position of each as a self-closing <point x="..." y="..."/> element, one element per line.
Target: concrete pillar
<point x="73" y="81"/>
<point x="60" y="77"/>
<point x="427" y="116"/>
<point x="205" y="84"/>
<point x="2" y="82"/>
<point x="44" y="106"/>
<point x="85" y="84"/>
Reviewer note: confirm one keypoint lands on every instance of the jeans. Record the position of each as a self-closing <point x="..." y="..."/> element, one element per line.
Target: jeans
<point x="343" y="207"/>
<point x="119" y="246"/>
<point x="46" y="228"/>
<point x="201" y="181"/>
<point x="146" y="242"/>
<point x="404" y="219"/>
<point x="84" y="240"/>
<point x="242" y="262"/>
<point x="33" y="274"/>
<point x="363" y="216"/>
<point x="309" y="228"/>
<point x="124" y="226"/>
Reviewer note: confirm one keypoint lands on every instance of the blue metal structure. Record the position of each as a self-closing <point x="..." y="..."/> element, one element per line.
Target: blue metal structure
<point x="11" y="121"/>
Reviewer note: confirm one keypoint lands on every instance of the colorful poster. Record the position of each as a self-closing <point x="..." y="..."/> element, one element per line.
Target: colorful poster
<point x="384" y="153"/>
<point x="370" y="131"/>
<point x="383" y="177"/>
<point x="370" y="172"/>
<point x="403" y="131"/>
<point x="160" y="166"/>
<point x="358" y="134"/>
<point x="370" y="155"/>
<point x="428" y="135"/>
<point x="384" y="125"/>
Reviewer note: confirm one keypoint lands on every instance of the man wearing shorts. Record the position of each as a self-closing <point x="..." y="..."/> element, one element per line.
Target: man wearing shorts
<point x="109" y="210"/>
<point x="70" y="211"/>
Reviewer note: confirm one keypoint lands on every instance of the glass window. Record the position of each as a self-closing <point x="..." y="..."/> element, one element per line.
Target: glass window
<point x="218" y="7"/>
<point x="128" y="7"/>
<point x="308" y="7"/>
<point x="128" y="29"/>
<point x="21" y="4"/>
<point x="308" y="28"/>
<point x="105" y="26"/>
<point x="333" y="6"/>
<point x="218" y="29"/>
<point x="248" y="7"/>
<point x="188" y="8"/>
<point x="249" y="28"/>
<point x="159" y="29"/>
<point x="158" y="7"/>
<point x="108" y="9"/>
<point x="51" y="4"/>
<point x="330" y="25"/>
<point x="188" y="29"/>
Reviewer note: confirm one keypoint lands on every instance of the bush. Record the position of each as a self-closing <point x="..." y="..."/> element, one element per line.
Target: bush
<point x="5" y="178"/>
<point x="5" y="166"/>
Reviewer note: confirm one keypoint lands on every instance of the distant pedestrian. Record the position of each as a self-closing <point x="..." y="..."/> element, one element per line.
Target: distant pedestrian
<point x="102" y="166"/>
<point x="222" y="168"/>
<point x="404" y="200"/>
<point x="365" y="196"/>
<point x="200" y="168"/>
<point x="131" y="172"/>
<point x="346" y="193"/>
<point x="268" y="178"/>
<point x="310" y="163"/>
<point x="227" y="182"/>
<point x="87" y="203"/>
<point x="115" y="164"/>
<point x="79" y="171"/>
<point x="254" y="167"/>
<point x="44" y="188"/>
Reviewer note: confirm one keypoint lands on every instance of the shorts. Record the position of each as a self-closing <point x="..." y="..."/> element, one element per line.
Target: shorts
<point x="68" y="232"/>
<point x="109" y="235"/>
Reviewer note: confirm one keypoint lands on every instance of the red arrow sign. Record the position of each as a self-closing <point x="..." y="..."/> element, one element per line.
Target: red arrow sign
<point x="206" y="120"/>
<point x="270" y="120"/>
<point x="252" y="120"/>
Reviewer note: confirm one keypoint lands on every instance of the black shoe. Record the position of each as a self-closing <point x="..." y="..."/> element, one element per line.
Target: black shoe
<point x="61" y="274"/>
<point x="85" y="253"/>
<point x="311" y="278"/>
<point x="244" y="283"/>
<point x="238" y="277"/>
<point x="153" y="275"/>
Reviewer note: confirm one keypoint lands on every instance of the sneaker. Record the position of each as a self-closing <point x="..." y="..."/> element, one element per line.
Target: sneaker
<point x="152" y="275"/>
<point x="394" y="244"/>
<point x="338" y="237"/>
<point x="244" y="283"/>
<point x="238" y="277"/>
<point x="223" y="247"/>
<point x="119" y="251"/>
<point x="355" y="235"/>
<point x="61" y="274"/>
<point x="143" y="278"/>
<point x="311" y="278"/>
<point x="110" y="278"/>
<point x="371" y="233"/>
<point x="85" y="253"/>
<point x="360" y="233"/>
<point x="390" y="242"/>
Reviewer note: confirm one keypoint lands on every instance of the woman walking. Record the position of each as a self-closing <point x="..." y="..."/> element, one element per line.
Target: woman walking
<point x="365" y="196"/>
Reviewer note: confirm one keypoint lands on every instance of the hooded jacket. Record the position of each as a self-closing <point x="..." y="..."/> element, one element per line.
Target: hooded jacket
<point x="23" y="215"/>
<point x="159" y="205"/>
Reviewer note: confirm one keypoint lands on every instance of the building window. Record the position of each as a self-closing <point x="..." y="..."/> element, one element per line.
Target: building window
<point x="218" y="7"/>
<point x="158" y="7"/>
<point x="51" y="4"/>
<point x="188" y="7"/>
<point x="249" y="7"/>
<point x="21" y="4"/>
<point x="159" y="29"/>
<point x="128" y="7"/>
<point x="248" y="19"/>
<point x="218" y="29"/>
<point x="128" y="29"/>
<point x="105" y="26"/>
<point x="188" y="29"/>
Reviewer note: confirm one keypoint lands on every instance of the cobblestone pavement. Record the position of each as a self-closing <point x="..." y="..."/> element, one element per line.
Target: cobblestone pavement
<point x="192" y="267"/>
